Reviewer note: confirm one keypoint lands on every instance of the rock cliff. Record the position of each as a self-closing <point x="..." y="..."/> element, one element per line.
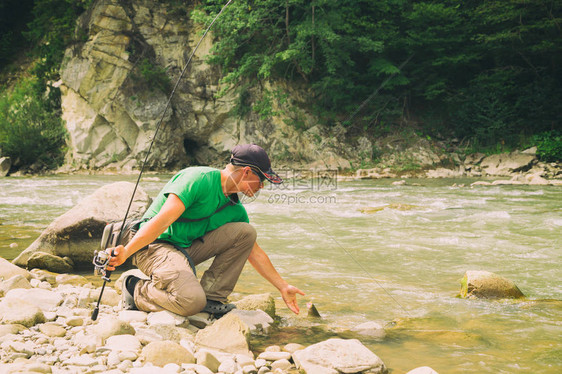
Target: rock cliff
<point x="115" y="86"/>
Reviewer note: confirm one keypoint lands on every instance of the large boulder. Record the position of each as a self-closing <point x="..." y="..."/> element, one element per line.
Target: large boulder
<point x="335" y="356"/>
<point x="487" y="285"/>
<point x="505" y="164"/>
<point x="5" y="164"/>
<point x="111" y="108"/>
<point x="77" y="233"/>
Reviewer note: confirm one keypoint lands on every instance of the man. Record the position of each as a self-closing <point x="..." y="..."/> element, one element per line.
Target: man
<point x="195" y="217"/>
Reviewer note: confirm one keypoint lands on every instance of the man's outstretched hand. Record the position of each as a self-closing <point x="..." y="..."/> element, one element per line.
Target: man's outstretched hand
<point x="289" y="294"/>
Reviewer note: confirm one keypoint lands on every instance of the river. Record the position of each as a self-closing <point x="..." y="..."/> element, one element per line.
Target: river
<point x="397" y="264"/>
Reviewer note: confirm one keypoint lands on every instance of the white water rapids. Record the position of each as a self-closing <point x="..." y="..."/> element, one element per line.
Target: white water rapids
<point x="402" y="261"/>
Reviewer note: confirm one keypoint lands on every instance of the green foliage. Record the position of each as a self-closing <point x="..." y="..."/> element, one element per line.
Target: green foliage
<point x="488" y="70"/>
<point x="51" y="30"/>
<point x="14" y="14"/>
<point x="154" y="75"/>
<point x="30" y="130"/>
<point x="333" y="45"/>
<point x="549" y="146"/>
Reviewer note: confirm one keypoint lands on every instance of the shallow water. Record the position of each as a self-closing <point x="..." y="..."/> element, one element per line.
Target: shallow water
<point x="399" y="265"/>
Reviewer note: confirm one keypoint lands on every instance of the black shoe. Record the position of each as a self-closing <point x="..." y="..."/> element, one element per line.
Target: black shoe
<point x="127" y="292"/>
<point x="218" y="309"/>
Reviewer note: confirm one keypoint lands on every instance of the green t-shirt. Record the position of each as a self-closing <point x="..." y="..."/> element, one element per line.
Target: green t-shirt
<point x="199" y="188"/>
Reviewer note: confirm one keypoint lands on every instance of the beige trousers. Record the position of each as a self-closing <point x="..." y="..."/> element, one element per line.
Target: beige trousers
<point x="174" y="287"/>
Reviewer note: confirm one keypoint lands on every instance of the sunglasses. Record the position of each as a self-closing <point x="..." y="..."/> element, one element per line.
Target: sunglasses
<point x="260" y="175"/>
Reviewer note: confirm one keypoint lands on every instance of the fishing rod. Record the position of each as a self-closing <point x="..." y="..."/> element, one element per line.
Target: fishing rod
<point x="101" y="257"/>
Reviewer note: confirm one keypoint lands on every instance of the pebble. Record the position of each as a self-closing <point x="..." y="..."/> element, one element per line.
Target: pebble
<point x="52" y="329"/>
<point x="263" y="370"/>
<point x="125" y="365"/>
<point x="165" y="318"/>
<point x="273" y="348"/>
<point x="68" y="341"/>
<point x="123" y="343"/>
<point x="274" y="356"/>
<point x="50" y="316"/>
<point x="228" y="366"/>
<point x="243" y="360"/>
<point x="282" y="364"/>
<point x="83" y="360"/>
<point x="293" y="347"/>
<point x="172" y="368"/>
<point x="249" y="369"/>
<point x="131" y="316"/>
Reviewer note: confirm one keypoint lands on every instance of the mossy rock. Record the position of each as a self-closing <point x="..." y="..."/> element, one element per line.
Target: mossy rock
<point x="486" y="285"/>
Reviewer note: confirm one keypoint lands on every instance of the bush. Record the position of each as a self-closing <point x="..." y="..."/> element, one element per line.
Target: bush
<point x="549" y="146"/>
<point x="30" y="130"/>
<point x="154" y="75"/>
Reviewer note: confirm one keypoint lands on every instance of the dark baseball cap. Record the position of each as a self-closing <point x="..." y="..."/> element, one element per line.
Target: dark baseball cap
<point x="254" y="156"/>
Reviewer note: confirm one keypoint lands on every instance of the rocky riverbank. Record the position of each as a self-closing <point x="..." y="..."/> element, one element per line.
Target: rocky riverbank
<point x="515" y="168"/>
<point x="47" y="328"/>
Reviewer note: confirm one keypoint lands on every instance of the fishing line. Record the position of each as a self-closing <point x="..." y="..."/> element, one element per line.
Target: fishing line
<point x="363" y="104"/>
<point x="166" y="109"/>
<point x="358" y="263"/>
<point x="168" y="103"/>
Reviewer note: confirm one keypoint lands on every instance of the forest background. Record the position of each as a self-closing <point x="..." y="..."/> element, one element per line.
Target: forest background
<point x="484" y="73"/>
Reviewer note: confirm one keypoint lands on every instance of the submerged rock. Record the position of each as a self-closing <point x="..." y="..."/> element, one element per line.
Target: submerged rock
<point x="371" y="329"/>
<point x="422" y="370"/>
<point x="487" y="285"/>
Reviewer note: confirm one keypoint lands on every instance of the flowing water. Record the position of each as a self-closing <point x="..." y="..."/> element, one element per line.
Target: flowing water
<point x="371" y="251"/>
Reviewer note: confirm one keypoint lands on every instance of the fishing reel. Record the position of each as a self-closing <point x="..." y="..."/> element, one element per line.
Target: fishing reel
<point x="100" y="261"/>
<point x="101" y="257"/>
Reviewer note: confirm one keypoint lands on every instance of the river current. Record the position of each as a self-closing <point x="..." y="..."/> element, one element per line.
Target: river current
<point x="372" y="251"/>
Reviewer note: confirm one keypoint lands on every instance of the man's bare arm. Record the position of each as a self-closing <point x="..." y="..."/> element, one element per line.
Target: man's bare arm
<point x="170" y="212"/>
<point x="261" y="262"/>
